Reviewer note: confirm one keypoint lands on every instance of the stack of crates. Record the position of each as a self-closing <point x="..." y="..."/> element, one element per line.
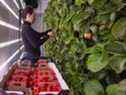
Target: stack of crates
<point x="41" y="79"/>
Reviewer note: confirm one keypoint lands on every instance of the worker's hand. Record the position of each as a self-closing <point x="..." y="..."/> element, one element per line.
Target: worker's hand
<point x="50" y="34"/>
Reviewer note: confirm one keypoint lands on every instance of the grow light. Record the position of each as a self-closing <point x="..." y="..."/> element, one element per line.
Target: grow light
<point x="8" y="25"/>
<point x="22" y="4"/>
<point x="3" y="67"/>
<point x="9" y="8"/>
<point x="5" y="44"/>
<point x="15" y="2"/>
<point x="9" y="59"/>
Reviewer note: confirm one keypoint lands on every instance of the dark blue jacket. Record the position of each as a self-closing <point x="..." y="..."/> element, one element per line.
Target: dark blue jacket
<point x="32" y="39"/>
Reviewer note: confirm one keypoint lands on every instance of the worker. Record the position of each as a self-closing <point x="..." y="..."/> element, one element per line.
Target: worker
<point x="32" y="39"/>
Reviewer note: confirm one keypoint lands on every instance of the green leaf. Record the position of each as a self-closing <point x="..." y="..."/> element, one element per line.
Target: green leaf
<point x="116" y="1"/>
<point x="116" y="47"/>
<point x="97" y="3"/>
<point x="79" y="16"/>
<point x="122" y="85"/>
<point x="93" y="87"/>
<point x="119" y="29"/>
<point x="97" y="60"/>
<point x="102" y="19"/>
<point x="118" y="63"/>
<point x="79" y="2"/>
<point x="114" y="90"/>
<point x="113" y="16"/>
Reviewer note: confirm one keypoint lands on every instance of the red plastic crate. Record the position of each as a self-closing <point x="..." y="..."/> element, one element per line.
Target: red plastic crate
<point x="36" y="90"/>
<point x="49" y="86"/>
<point x="46" y="71"/>
<point x="39" y="79"/>
<point x="17" y="83"/>
<point x="22" y="72"/>
<point x="19" y="77"/>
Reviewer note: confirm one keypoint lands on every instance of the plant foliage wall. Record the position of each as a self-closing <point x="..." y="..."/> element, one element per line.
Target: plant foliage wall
<point x="91" y="65"/>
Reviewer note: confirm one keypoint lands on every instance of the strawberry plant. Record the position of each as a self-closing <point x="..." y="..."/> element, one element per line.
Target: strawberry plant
<point x="92" y="66"/>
